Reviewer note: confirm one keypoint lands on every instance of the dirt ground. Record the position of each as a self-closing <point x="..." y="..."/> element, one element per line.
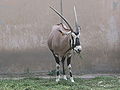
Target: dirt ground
<point x="85" y="76"/>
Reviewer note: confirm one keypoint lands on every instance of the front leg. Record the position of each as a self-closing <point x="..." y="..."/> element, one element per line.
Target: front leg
<point x="69" y="67"/>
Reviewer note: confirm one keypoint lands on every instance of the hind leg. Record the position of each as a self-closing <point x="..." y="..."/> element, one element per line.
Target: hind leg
<point x="57" y="67"/>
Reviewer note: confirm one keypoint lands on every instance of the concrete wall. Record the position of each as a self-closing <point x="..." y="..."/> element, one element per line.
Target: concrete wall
<point x="26" y="24"/>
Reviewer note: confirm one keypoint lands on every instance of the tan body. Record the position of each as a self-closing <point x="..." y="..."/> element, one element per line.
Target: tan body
<point x="59" y="42"/>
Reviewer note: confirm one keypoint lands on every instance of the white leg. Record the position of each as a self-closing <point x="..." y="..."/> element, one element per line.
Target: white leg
<point x="64" y="77"/>
<point x="72" y="80"/>
<point x="71" y="77"/>
<point x="58" y="78"/>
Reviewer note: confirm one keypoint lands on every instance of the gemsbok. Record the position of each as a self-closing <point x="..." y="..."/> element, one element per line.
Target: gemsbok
<point x="62" y="41"/>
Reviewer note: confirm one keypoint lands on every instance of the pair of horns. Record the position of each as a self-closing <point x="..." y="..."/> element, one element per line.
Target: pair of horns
<point x="76" y="22"/>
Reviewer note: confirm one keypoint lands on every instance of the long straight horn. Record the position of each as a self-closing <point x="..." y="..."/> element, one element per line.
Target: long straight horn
<point x="61" y="7"/>
<point x="76" y="20"/>
<point x="62" y="18"/>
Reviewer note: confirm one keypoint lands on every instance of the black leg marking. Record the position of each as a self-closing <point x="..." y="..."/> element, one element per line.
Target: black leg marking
<point x="69" y="65"/>
<point x="63" y="60"/>
<point x="70" y="74"/>
<point x="68" y="60"/>
<point x="57" y="66"/>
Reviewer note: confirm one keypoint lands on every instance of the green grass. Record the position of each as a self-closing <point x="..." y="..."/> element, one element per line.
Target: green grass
<point x="98" y="83"/>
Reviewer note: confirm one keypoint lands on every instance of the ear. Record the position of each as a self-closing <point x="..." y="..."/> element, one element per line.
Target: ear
<point x="79" y="28"/>
<point x="73" y="35"/>
<point x="64" y="32"/>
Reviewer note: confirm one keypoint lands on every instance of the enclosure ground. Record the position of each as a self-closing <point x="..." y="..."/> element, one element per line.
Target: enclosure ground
<point x="84" y="82"/>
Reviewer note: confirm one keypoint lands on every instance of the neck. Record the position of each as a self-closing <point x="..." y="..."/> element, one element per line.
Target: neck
<point x="70" y="44"/>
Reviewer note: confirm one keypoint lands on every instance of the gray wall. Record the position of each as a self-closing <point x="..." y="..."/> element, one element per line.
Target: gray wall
<point x="26" y="24"/>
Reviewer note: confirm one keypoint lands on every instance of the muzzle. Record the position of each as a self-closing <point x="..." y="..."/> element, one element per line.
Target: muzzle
<point x="78" y="48"/>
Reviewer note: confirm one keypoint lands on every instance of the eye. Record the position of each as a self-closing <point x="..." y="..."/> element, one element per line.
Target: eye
<point x="77" y="41"/>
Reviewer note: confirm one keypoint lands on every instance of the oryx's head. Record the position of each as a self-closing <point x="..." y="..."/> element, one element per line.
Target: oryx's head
<point x="75" y="34"/>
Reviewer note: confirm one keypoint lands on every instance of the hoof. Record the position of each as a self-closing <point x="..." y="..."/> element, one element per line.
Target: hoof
<point x="64" y="77"/>
<point x="72" y="80"/>
<point x="57" y="78"/>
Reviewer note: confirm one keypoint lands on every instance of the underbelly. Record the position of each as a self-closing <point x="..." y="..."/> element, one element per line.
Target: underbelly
<point x="62" y="52"/>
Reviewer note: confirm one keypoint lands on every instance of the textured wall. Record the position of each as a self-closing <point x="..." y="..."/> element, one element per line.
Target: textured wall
<point x="26" y="24"/>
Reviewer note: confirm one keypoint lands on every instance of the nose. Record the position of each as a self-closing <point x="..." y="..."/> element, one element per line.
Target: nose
<point x="79" y="50"/>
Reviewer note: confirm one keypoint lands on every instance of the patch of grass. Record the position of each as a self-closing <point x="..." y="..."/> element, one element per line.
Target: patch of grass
<point x="53" y="72"/>
<point x="98" y="83"/>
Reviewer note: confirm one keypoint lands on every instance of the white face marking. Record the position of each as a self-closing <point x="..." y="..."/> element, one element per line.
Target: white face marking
<point x="77" y="47"/>
<point x="76" y="36"/>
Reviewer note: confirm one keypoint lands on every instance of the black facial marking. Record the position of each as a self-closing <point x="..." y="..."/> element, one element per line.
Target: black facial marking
<point x="76" y="33"/>
<point x="77" y="42"/>
<point x="72" y="42"/>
